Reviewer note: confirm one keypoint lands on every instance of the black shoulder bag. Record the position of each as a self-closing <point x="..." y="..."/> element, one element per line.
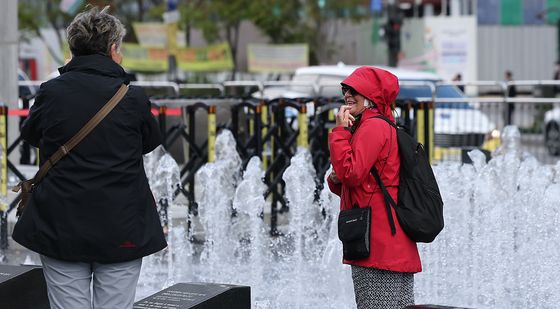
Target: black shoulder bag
<point x="353" y="231"/>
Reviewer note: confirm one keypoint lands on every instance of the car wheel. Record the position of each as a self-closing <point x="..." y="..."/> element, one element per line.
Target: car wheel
<point x="552" y="138"/>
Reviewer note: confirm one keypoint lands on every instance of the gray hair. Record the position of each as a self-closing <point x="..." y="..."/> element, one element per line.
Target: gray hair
<point x="94" y="31"/>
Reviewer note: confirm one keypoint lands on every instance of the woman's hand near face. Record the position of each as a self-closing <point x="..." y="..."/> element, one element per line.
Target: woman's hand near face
<point x="344" y="118"/>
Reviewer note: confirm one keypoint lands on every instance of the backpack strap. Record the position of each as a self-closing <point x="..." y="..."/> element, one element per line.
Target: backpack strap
<point x="388" y="199"/>
<point x="386" y="119"/>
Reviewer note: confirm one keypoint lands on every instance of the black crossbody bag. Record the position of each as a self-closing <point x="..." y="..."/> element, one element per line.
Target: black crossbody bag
<point x="353" y="231"/>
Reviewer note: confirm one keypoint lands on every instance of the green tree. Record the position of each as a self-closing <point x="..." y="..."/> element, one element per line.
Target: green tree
<point x="219" y="20"/>
<point x="34" y="15"/>
<point x="310" y="21"/>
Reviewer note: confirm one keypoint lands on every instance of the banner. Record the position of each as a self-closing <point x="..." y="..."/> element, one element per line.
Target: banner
<point x="451" y="41"/>
<point x="144" y="59"/>
<point x="511" y="12"/>
<point x="195" y="59"/>
<point x="552" y="10"/>
<point x="281" y="58"/>
<point x="204" y="59"/>
<point x="155" y="34"/>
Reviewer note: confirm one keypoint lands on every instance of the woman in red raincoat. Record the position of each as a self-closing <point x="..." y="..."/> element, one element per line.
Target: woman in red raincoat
<point x="385" y="279"/>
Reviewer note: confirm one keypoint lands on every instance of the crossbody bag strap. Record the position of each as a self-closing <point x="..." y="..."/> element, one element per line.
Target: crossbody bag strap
<point x="78" y="137"/>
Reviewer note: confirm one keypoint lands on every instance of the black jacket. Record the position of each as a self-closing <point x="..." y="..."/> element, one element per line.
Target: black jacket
<point x="94" y="205"/>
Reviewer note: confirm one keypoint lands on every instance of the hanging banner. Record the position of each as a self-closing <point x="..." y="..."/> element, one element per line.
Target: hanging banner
<point x="156" y="34"/>
<point x="552" y="12"/>
<point x="195" y="59"/>
<point x="144" y="59"/>
<point x="205" y="59"/>
<point x="452" y="42"/>
<point x="511" y="12"/>
<point x="281" y="58"/>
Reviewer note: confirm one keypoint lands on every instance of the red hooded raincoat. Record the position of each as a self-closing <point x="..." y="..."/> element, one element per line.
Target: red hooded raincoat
<point x="352" y="156"/>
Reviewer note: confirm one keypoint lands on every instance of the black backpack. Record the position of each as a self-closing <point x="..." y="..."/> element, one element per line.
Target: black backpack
<point x="420" y="207"/>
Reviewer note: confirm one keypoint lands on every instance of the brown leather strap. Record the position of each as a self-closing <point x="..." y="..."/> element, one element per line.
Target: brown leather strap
<point x="84" y="131"/>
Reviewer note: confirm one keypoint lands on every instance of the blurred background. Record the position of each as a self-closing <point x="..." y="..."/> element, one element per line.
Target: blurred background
<point x="213" y="41"/>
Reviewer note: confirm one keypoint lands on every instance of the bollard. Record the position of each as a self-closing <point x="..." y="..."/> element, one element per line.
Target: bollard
<point x="4" y="157"/>
<point x="302" y="125"/>
<point x="257" y="129"/>
<point x="430" y="142"/>
<point x="162" y="119"/>
<point x="264" y="131"/>
<point x="420" y="123"/>
<point x="331" y="118"/>
<point x="3" y="177"/>
<point x="211" y="133"/>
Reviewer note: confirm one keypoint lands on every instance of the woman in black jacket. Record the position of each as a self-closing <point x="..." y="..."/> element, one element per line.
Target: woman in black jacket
<point x="93" y="217"/>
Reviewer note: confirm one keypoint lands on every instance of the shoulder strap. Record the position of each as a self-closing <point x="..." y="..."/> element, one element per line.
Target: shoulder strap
<point x="386" y="119"/>
<point x="84" y="131"/>
<point x="388" y="199"/>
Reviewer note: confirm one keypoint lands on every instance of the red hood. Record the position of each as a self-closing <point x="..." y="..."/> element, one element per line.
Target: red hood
<point x="377" y="85"/>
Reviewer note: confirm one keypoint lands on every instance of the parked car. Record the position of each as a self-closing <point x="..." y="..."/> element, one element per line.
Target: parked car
<point x="552" y="131"/>
<point x="456" y="124"/>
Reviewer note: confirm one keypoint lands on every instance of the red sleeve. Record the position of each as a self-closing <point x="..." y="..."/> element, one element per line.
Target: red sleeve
<point x="352" y="160"/>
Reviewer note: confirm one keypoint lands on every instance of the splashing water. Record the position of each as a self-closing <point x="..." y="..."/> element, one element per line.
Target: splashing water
<point x="159" y="270"/>
<point x="290" y="271"/>
<point x="500" y="244"/>
<point x="498" y="250"/>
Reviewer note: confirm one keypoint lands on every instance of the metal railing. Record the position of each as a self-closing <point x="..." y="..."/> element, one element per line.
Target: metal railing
<point x="267" y="129"/>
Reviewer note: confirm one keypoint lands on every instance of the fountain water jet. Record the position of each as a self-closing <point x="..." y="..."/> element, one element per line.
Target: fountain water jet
<point x="498" y="249"/>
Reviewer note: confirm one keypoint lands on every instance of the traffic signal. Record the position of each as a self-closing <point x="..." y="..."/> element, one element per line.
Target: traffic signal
<point x="393" y="33"/>
<point x="393" y="29"/>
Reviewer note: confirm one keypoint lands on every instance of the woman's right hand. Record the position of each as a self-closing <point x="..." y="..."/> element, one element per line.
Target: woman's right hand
<point x="334" y="178"/>
<point x="343" y="117"/>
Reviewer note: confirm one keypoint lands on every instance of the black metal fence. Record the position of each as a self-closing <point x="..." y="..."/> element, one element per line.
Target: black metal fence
<point x="273" y="129"/>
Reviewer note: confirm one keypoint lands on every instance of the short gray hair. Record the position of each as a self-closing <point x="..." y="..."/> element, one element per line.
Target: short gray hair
<point x="94" y="31"/>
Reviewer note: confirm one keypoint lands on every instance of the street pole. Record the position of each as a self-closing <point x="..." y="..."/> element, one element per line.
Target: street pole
<point x="558" y="39"/>
<point x="9" y="53"/>
<point x="8" y="98"/>
<point x="171" y="18"/>
<point x="9" y="62"/>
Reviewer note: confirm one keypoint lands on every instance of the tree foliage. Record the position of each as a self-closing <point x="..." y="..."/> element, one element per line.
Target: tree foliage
<point x="312" y="22"/>
<point x="283" y="21"/>
<point x="36" y="15"/>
